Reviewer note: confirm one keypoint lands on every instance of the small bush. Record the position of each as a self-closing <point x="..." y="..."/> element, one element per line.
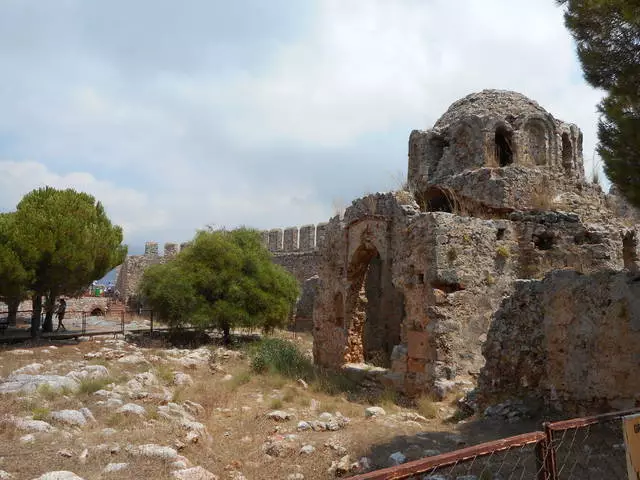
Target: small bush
<point x="491" y="280"/>
<point x="274" y="355"/>
<point x="92" y="385"/>
<point x="239" y="379"/>
<point x="452" y="255"/>
<point x="289" y="395"/>
<point x="388" y="398"/>
<point x="47" y="392"/>
<point x="276" y="403"/>
<point x="40" y="413"/>
<point x="427" y="407"/>
<point x="333" y="383"/>
<point x="164" y="373"/>
<point x="503" y="251"/>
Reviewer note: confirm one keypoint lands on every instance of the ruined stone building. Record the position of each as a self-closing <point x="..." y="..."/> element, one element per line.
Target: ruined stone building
<point x="413" y="280"/>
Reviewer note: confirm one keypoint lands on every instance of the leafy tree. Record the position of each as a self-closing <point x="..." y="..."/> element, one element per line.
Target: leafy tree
<point x="14" y="277"/>
<point x="607" y="33"/>
<point x="67" y="240"/>
<point x="225" y="279"/>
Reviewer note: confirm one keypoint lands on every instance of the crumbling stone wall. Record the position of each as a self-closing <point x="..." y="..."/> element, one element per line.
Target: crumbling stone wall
<point x="411" y="280"/>
<point x="570" y="340"/>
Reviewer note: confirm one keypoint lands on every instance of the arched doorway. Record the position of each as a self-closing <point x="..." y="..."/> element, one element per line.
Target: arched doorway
<point x="374" y="309"/>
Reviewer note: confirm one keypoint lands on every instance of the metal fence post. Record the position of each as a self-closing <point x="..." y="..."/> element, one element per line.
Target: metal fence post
<point x="542" y="449"/>
<point x="122" y="321"/>
<point x="151" y="324"/>
<point x="550" y="460"/>
<point x="84" y="323"/>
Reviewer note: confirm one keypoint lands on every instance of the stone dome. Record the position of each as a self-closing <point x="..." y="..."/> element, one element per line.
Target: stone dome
<point x="500" y="103"/>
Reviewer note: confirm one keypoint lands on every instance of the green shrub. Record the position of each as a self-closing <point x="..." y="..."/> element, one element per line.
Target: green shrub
<point x="40" y="413"/>
<point x="427" y="407"/>
<point x="274" y="355"/>
<point x="503" y="251"/>
<point x="92" y="385"/>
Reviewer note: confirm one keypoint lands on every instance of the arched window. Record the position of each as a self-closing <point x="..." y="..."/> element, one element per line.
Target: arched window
<point x="503" y="147"/>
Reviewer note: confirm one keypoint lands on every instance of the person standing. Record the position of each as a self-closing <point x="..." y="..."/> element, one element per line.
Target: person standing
<point x="62" y="308"/>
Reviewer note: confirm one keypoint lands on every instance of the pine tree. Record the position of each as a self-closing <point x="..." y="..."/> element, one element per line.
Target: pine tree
<point x="607" y="33"/>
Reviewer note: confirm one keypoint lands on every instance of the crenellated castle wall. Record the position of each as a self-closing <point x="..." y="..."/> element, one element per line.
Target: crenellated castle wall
<point x="294" y="248"/>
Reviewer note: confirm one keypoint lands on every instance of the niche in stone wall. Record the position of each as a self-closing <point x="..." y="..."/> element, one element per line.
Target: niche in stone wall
<point x="567" y="153"/>
<point x="536" y="142"/>
<point x="503" y="145"/>
<point x="375" y="309"/>
<point x="437" y="200"/>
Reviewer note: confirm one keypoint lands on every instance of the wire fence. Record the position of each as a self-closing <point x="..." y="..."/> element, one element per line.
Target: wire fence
<point x="80" y="322"/>
<point x="588" y="448"/>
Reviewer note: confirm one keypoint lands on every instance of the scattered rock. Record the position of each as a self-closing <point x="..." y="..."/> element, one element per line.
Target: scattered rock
<point x="195" y="473"/>
<point x="133" y="409"/>
<point x="397" y="458"/>
<point x="65" y="452"/>
<point x="115" y="467"/>
<point x="279" y="415"/>
<point x="69" y="417"/>
<point x="84" y="455"/>
<point x="180" y="379"/>
<point x="302" y="383"/>
<point x="340" y="467"/>
<point x="5" y="475"/>
<point x="307" y="449"/>
<point x="30" y="369"/>
<point x="303" y="426"/>
<point x="30" y="383"/>
<point x="29" y="425"/>
<point x="59" y="475"/>
<point x="20" y="352"/>
<point x="295" y="476"/>
<point x="132" y="359"/>
<point x="108" y="431"/>
<point x="153" y="450"/>
<point x="374" y="412"/>
<point x="28" y="438"/>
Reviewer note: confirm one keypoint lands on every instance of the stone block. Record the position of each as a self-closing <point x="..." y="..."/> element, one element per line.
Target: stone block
<point x="416" y="365"/>
<point x="170" y="249"/>
<point x="290" y="241"/>
<point x="321" y="234"/>
<point x="418" y="344"/>
<point x="151" y="248"/>
<point x="275" y="240"/>
<point x="307" y="237"/>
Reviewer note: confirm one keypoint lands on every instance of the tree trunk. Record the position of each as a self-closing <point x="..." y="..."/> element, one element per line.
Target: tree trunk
<point x="12" y="306"/>
<point x="226" y="333"/>
<point x="47" y="325"/>
<point x="35" y="314"/>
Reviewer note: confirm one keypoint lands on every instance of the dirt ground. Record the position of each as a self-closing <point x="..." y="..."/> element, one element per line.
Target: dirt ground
<point x="238" y="441"/>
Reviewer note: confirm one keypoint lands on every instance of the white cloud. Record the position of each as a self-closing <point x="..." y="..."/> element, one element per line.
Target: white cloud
<point x="125" y="206"/>
<point x="174" y="145"/>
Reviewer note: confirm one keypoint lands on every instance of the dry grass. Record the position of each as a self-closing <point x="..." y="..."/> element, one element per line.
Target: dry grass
<point x="427" y="407"/>
<point x="234" y="414"/>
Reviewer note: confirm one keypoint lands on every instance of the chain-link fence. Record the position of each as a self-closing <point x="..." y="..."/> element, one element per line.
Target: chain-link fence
<point x="589" y="448"/>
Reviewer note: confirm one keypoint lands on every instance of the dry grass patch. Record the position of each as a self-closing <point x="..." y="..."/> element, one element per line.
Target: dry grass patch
<point x="427" y="407"/>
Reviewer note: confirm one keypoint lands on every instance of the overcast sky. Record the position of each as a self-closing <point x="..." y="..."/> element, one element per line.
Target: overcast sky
<point x="251" y="112"/>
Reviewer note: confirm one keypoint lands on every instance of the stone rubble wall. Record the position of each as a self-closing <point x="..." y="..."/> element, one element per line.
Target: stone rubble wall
<point x="571" y="341"/>
<point x="452" y="273"/>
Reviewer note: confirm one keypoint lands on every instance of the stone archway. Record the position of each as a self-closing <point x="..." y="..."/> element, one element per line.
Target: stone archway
<point x="374" y="309"/>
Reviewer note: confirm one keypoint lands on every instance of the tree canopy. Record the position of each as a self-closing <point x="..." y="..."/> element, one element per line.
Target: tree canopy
<point x="66" y="239"/>
<point x="607" y="33"/>
<point x="14" y="277"/>
<point x="225" y="279"/>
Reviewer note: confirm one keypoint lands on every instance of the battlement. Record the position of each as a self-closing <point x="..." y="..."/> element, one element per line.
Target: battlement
<point x="306" y="238"/>
<point x="151" y="249"/>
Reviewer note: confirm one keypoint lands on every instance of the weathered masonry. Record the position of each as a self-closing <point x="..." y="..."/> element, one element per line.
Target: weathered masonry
<point x="411" y="280"/>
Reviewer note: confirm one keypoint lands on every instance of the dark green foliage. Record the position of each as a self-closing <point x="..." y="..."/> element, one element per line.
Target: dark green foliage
<point x="225" y="279"/>
<point x="14" y="277"/>
<point x="607" y="33"/>
<point x="66" y="239"/>
<point x="274" y="355"/>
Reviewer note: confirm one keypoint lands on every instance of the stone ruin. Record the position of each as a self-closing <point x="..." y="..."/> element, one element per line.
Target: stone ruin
<point x="417" y="282"/>
<point x="455" y="280"/>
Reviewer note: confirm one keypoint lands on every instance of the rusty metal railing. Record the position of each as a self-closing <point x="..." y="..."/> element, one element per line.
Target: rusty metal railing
<point x="587" y="448"/>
